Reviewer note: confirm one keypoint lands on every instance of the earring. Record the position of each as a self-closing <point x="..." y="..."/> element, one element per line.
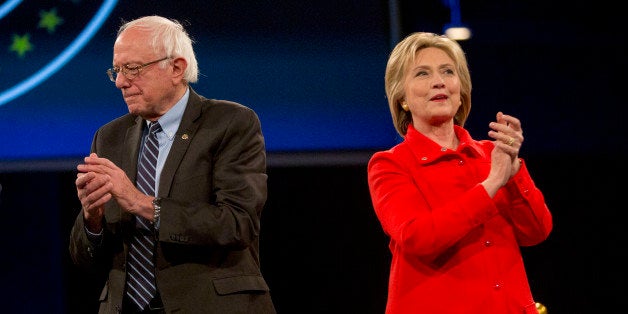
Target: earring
<point x="404" y="105"/>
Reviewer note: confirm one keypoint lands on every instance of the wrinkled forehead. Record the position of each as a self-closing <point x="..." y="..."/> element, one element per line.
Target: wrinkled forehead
<point x="133" y="45"/>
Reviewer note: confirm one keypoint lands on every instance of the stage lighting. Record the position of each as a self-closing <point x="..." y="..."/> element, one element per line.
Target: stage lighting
<point x="455" y="29"/>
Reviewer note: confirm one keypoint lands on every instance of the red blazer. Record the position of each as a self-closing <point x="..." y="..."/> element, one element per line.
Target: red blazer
<point x="454" y="248"/>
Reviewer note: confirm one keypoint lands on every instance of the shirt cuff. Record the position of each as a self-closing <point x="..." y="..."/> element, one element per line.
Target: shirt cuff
<point x="94" y="238"/>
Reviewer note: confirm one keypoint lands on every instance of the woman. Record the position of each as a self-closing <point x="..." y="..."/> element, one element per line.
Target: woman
<point x="456" y="209"/>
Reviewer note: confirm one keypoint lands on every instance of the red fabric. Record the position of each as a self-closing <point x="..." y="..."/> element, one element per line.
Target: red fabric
<point x="454" y="249"/>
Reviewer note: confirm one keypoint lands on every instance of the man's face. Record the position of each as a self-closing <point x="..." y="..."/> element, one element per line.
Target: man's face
<point x="151" y="92"/>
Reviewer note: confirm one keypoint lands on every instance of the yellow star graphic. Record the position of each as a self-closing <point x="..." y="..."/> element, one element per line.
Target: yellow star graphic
<point x="49" y="20"/>
<point x="21" y="45"/>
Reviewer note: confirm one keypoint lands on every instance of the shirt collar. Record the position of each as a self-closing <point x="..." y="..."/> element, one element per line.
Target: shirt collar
<point x="172" y="118"/>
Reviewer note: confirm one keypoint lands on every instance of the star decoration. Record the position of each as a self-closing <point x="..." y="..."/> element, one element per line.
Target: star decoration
<point x="21" y="45"/>
<point x="49" y="20"/>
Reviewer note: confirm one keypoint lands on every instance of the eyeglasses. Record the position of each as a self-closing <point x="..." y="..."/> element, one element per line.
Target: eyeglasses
<point x="130" y="72"/>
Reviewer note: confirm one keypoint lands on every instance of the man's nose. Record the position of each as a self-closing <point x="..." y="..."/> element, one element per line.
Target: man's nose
<point x="122" y="81"/>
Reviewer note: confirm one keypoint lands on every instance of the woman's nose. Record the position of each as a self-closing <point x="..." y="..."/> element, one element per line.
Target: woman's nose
<point x="439" y="82"/>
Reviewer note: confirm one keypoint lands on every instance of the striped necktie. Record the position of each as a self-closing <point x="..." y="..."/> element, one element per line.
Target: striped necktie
<point x="141" y="266"/>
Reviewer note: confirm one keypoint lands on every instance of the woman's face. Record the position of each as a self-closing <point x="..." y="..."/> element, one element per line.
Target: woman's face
<point x="432" y="88"/>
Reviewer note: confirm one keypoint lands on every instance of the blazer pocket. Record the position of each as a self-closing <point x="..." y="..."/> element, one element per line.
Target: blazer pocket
<point x="252" y="283"/>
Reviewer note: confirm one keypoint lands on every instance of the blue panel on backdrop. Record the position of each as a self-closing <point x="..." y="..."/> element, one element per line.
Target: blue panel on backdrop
<point x="312" y="72"/>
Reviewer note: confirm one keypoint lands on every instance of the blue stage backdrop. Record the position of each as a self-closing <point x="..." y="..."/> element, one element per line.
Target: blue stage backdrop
<point x="313" y="73"/>
<point x="314" y="70"/>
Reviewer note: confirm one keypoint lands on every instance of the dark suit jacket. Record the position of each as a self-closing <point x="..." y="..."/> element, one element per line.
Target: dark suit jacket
<point x="213" y="189"/>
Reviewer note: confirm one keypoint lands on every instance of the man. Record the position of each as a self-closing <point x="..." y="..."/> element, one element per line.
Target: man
<point x="196" y="205"/>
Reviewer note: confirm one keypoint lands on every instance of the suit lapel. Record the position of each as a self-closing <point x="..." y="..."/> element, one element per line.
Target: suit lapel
<point x="132" y="141"/>
<point x="183" y="138"/>
<point x="131" y="151"/>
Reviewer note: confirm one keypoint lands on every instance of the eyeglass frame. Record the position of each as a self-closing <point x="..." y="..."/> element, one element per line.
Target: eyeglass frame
<point x="125" y="69"/>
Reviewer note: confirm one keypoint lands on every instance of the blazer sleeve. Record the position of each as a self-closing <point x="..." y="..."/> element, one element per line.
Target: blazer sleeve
<point x="524" y="205"/>
<point x="85" y="253"/>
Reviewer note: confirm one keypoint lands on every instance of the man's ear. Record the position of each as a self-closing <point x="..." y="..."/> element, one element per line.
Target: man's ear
<point x="178" y="68"/>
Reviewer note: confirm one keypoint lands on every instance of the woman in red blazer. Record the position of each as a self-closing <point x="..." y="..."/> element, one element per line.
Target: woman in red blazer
<point x="457" y="210"/>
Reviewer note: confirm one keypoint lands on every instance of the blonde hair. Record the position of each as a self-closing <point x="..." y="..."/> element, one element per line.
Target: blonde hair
<point x="403" y="56"/>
